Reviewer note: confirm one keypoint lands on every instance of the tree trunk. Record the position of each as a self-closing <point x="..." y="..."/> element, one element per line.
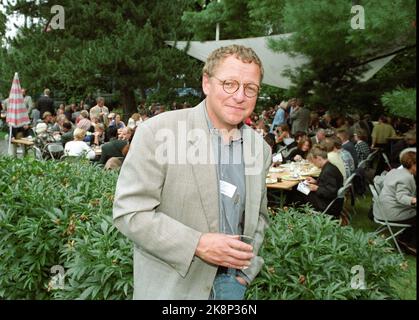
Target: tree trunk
<point x="128" y="102"/>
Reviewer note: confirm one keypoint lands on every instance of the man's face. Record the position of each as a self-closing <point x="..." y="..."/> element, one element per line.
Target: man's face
<point x="226" y="110"/>
<point x="101" y="103"/>
<point x="23" y="92"/>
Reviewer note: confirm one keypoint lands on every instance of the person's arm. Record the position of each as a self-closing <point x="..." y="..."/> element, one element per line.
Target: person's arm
<point x="137" y="199"/>
<point x="404" y="195"/>
<point x="328" y="187"/>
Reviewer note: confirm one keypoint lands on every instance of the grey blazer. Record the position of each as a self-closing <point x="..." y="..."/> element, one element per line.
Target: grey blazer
<point x="396" y="195"/>
<point x="300" y="120"/>
<point x="164" y="207"/>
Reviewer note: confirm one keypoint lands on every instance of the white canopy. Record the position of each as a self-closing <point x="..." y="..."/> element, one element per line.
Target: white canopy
<point x="274" y="63"/>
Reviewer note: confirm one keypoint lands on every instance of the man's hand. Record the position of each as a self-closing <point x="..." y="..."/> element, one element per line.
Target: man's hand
<point x="311" y="180"/>
<point x="224" y="250"/>
<point x="241" y="281"/>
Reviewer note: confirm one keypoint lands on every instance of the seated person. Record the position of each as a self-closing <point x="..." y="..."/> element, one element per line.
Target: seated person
<point x="361" y="146"/>
<point x="117" y="123"/>
<point x="99" y="135"/>
<point x="77" y="147"/>
<point x="283" y="135"/>
<point x="397" y="198"/>
<point x="115" y="148"/>
<point x="301" y="152"/>
<point x="67" y="133"/>
<point x="333" y="154"/>
<point x="325" y="188"/>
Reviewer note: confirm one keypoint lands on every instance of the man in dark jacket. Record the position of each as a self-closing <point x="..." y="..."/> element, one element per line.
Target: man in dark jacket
<point x="325" y="188"/>
<point x="45" y="103"/>
<point x="343" y="135"/>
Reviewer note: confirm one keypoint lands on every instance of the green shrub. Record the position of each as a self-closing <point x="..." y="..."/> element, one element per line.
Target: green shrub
<point x="59" y="213"/>
<point x="309" y="256"/>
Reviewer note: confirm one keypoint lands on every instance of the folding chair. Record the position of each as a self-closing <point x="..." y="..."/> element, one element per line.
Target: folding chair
<point x="386" y="160"/>
<point x="364" y="163"/>
<point x="55" y="150"/>
<point x="340" y="195"/>
<point x="385" y="224"/>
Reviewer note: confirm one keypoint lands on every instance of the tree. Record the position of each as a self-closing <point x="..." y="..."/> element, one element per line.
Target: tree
<point x="322" y="31"/>
<point x="108" y="45"/>
<point x="401" y="102"/>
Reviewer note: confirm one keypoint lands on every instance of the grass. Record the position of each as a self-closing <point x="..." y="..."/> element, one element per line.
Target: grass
<point x="2" y="134"/>
<point x="406" y="286"/>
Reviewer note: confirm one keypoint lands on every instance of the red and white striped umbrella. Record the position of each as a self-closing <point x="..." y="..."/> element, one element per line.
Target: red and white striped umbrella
<point x="17" y="114"/>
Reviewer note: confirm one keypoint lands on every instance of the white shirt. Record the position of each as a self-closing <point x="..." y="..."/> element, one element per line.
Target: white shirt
<point x="78" y="148"/>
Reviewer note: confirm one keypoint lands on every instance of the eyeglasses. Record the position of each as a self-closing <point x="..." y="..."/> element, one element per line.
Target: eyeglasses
<point x="231" y="86"/>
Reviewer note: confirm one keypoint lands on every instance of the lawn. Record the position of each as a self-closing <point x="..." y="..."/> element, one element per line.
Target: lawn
<point x="407" y="287"/>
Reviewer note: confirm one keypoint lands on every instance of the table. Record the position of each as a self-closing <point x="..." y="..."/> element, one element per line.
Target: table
<point x="25" y="142"/>
<point x="289" y="184"/>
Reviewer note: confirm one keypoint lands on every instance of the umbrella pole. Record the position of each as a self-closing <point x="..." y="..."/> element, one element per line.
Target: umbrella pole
<point x="10" y="139"/>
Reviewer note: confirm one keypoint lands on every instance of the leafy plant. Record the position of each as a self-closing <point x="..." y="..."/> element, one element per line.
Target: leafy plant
<point x="59" y="214"/>
<point x="401" y="102"/>
<point x="309" y="256"/>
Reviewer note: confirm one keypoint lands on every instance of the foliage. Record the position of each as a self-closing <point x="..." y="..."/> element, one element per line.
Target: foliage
<point x="309" y="256"/>
<point x="59" y="213"/>
<point x="401" y="102"/>
<point x="337" y="52"/>
<point x="106" y="45"/>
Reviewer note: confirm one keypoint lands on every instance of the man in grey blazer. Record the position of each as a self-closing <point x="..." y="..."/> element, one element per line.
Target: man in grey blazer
<point x="193" y="180"/>
<point x="300" y="117"/>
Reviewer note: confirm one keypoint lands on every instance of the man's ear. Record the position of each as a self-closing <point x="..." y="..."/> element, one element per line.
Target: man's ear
<point x="205" y="84"/>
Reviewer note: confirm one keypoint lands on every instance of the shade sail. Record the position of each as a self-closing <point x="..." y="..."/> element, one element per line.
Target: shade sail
<point x="274" y="63"/>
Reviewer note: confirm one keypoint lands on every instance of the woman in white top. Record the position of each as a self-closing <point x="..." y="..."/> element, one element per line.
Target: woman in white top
<point x="78" y="147"/>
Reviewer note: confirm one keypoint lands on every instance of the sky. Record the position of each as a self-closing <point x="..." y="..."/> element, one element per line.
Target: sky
<point x="11" y="20"/>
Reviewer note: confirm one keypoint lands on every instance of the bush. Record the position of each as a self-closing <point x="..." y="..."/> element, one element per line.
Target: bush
<point x="59" y="213"/>
<point x="309" y="256"/>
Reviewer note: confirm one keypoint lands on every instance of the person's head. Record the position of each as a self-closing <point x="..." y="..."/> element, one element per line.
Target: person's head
<point x="61" y="119"/>
<point x="79" y="134"/>
<point x="47" y="117"/>
<point x="283" y="128"/>
<point x="318" y="155"/>
<point x="41" y="128"/>
<point x="304" y="144"/>
<point x="126" y="133"/>
<point x="298" y="135"/>
<point x="343" y="134"/>
<point x="23" y="92"/>
<point x="321" y="135"/>
<point x="111" y="116"/>
<point x="84" y="124"/>
<point x="270" y="139"/>
<point x="135" y="116"/>
<point x="94" y="119"/>
<point x="231" y="81"/>
<point x="47" y="92"/>
<point x="117" y="118"/>
<point x="410" y="137"/>
<point x="332" y="143"/>
<point x="283" y="105"/>
<point x="383" y="119"/>
<point x="360" y="135"/>
<point x="67" y="126"/>
<point x="408" y="161"/>
<point x="100" y="101"/>
<point x="299" y="103"/>
<point x="100" y="128"/>
<point x="84" y="114"/>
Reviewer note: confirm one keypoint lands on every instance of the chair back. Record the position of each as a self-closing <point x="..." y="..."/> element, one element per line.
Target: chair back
<point x="55" y="150"/>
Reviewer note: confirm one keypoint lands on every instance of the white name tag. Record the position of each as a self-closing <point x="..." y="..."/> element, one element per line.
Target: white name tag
<point x="227" y="189"/>
<point x="302" y="187"/>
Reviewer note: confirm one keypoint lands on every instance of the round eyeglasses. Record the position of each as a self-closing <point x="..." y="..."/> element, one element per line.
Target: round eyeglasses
<point x="231" y="86"/>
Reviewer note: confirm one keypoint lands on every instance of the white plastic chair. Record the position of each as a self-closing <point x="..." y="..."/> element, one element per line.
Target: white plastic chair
<point x="364" y="163"/>
<point x="385" y="224"/>
<point x="386" y="160"/>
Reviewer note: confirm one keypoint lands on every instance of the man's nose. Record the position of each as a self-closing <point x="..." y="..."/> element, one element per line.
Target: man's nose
<point x="239" y="94"/>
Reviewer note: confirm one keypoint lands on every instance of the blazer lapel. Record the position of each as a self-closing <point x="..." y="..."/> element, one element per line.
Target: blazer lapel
<point x="205" y="173"/>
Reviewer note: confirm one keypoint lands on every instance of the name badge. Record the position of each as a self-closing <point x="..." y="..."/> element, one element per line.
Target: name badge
<point x="227" y="189"/>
